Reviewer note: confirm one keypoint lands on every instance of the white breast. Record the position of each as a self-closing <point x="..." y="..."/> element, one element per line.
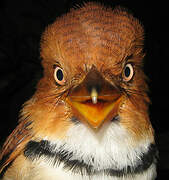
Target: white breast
<point x="44" y="172"/>
<point x="111" y="147"/>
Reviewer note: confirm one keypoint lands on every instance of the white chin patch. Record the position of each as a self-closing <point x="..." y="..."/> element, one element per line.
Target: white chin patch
<point x="110" y="147"/>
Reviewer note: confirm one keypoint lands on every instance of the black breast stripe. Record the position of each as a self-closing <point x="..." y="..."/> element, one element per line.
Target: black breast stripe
<point x="34" y="150"/>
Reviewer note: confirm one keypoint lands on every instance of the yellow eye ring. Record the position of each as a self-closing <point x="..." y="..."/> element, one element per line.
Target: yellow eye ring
<point x="128" y="72"/>
<point x="59" y="76"/>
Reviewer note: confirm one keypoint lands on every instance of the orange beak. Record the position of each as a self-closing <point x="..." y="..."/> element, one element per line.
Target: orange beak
<point x="95" y="100"/>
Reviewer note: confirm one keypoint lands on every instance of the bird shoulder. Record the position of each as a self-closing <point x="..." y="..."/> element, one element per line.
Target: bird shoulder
<point x="14" y="144"/>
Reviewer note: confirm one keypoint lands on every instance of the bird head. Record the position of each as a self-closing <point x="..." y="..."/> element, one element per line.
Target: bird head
<point x="92" y="59"/>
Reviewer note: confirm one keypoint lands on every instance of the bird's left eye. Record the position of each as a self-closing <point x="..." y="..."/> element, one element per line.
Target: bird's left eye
<point x="59" y="76"/>
<point x="128" y="72"/>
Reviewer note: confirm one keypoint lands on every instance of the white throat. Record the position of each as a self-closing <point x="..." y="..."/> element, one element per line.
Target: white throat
<point x="111" y="147"/>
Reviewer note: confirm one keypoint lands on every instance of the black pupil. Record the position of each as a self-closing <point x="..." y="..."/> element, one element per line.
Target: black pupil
<point x="127" y="71"/>
<point x="59" y="74"/>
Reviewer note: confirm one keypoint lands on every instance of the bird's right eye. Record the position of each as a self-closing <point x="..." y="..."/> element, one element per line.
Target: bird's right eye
<point x="59" y="76"/>
<point x="128" y="72"/>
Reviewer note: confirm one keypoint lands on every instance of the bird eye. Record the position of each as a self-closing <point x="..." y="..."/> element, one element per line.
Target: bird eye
<point x="128" y="72"/>
<point x="59" y="76"/>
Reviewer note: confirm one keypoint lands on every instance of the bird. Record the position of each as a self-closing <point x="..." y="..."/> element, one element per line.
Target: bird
<point x="89" y="117"/>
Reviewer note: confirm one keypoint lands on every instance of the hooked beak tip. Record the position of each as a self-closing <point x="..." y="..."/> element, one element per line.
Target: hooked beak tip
<point x="94" y="96"/>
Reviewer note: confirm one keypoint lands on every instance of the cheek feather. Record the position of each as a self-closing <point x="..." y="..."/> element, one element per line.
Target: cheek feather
<point x="49" y="122"/>
<point x="136" y="121"/>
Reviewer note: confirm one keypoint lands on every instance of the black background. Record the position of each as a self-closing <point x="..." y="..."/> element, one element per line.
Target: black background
<point x="21" y="25"/>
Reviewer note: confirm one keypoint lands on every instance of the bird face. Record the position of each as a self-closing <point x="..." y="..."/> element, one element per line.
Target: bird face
<point x="93" y="63"/>
<point x="90" y="109"/>
<point x="94" y="100"/>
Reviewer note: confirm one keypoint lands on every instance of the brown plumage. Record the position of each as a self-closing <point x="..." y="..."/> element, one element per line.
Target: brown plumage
<point x="93" y="80"/>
